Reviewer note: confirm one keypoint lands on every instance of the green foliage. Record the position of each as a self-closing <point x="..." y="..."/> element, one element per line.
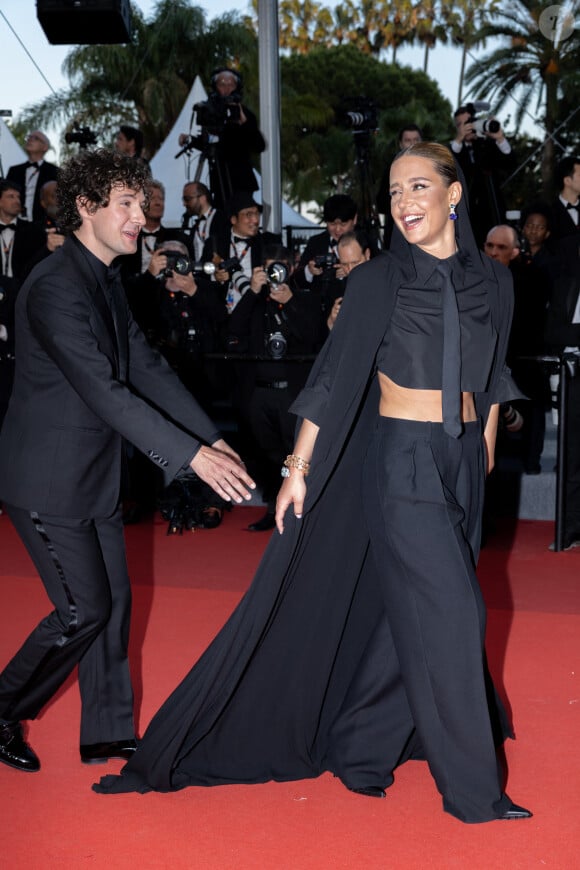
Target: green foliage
<point x="540" y="73"/>
<point x="147" y="81"/>
<point x="318" y="152"/>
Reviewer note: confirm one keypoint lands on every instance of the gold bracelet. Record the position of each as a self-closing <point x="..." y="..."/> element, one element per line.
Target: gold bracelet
<point x="293" y="461"/>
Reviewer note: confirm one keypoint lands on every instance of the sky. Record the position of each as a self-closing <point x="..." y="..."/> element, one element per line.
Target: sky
<point x="28" y="79"/>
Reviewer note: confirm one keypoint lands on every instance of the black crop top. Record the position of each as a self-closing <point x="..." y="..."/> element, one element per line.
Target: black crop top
<point x="411" y="353"/>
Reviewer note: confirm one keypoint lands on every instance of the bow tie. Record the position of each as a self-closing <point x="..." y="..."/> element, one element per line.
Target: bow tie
<point x="7" y="227"/>
<point x="149" y="232"/>
<point x="32" y="163"/>
<point x="202" y="217"/>
<point x="238" y="241"/>
<point x="569" y="206"/>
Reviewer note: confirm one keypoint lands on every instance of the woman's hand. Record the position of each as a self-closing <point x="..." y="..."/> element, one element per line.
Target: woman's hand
<point x="292" y="491"/>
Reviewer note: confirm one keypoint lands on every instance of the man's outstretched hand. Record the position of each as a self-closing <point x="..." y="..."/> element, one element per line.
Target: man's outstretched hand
<point x="222" y="469"/>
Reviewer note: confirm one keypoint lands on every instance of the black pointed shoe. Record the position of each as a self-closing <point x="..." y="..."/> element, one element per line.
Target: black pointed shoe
<point x="264" y="524"/>
<point x="516" y="812"/>
<point x="14" y="750"/>
<point x="370" y="791"/>
<point x="97" y="753"/>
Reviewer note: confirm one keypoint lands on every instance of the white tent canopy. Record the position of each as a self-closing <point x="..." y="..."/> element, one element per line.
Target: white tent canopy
<point x="174" y="173"/>
<point x="10" y="151"/>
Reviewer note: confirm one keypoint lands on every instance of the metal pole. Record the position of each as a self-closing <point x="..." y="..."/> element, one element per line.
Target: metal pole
<point x="561" y="458"/>
<point x="268" y="54"/>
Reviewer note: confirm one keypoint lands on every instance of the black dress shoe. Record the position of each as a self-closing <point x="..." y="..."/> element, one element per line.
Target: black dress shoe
<point x="97" y="753"/>
<point x="516" y="812"/>
<point x="370" y="791"/>
<point x="14" y="750"/>
<point x="267" y="522"/>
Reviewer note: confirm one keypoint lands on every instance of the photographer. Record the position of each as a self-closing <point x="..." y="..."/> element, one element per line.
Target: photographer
<point x="319" y="268"/>
<point x="30" y="176"/>
<point x="274" y="321"/>
<point x="354" y="248"/>
<point x="485" y="156"/>
<point x="230" y="136"/>
<point x="192" y="317"/>
<point x="238" y="249"/>
<point x="201" y="221"/>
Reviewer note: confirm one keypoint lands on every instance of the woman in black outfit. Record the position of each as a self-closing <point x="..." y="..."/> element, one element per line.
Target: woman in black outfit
<point x="360" y="643"/>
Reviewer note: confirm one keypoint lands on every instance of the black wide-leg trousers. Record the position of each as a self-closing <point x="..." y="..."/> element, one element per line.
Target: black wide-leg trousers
<point x="423" y="676"/>
<point x="83" y="567"/>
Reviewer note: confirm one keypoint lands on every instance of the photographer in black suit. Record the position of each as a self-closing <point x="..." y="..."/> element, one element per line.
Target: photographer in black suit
<point x="240" y="247"/>
<point x="274" y="322"/>
<point x="319" y="269"/>
<point x="30" y="176"/>
<point x="20" y="242"/>
<point x="95" y="381"/>
<point x="230" y="136"/>
<point x="485" y="155"/>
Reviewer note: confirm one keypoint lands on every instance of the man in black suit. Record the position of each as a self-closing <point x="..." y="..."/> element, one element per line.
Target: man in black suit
<point x="202" y="222"/>
<point x="241" y="243"/>
<point x="86" y="379"/>
<point x="563" y="335"/>
<point x="486" y="159"/>
<point x="30" y="176"/>
<point x="319" y="268"/>
<point x="229" y="137"/>
<point x="565" y="210"/>
<point x="20" y="241"/>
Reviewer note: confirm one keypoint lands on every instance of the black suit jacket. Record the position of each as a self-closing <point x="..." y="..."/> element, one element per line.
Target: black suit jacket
<point x="562" y="224"/>
<point x="327" y="285"/>
<point x="560" y="331"/>
<point x="82" y="384"/>
<point x="46" y="172"/>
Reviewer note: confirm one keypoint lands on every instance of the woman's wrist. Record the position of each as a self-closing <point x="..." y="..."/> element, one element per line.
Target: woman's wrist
<point x="294" y="463"/>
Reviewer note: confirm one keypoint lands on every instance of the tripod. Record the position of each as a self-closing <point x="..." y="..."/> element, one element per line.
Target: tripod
<point x="370" y="219"/>
<point x="220" y="182"/>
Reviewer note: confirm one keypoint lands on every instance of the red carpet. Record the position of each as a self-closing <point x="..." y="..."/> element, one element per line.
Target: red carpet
<point x="184" y="587"/>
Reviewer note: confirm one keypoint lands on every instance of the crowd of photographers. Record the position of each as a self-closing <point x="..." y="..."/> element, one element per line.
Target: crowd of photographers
<point x="241" y="318"/>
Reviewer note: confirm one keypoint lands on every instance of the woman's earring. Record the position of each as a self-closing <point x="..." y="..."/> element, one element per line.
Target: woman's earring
<point x="452" y="215"/>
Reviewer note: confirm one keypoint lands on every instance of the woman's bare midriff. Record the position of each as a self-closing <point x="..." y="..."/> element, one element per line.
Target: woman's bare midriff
<point x="423" y="405"/>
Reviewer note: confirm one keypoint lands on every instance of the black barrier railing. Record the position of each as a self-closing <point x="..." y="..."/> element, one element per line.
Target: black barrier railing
<point x="565" y="365"/>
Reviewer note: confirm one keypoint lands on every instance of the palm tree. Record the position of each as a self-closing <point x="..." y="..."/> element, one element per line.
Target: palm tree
<point x="536" y="69"/>
<point x="465" y="20"/>
<point x="304" y="23"/>
<point x="147" y="81"/>
<point x="428" y="28"/>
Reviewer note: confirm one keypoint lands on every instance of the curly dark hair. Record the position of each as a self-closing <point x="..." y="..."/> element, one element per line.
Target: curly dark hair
<point x="92" y="175"/>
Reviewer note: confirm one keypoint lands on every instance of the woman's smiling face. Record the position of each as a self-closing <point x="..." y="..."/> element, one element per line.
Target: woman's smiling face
<point x="420" y="204"/>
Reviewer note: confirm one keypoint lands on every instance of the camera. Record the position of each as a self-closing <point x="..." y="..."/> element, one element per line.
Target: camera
<point x="326" y="261"/>
<point x="359" y="115"/>
<point x="82" y="136"/>
<point x="276" y="345"/>
<point x="482" y="125"/>
<point x="230" y="266"/>
<point x="181" y="264"/>
<point x="217" y="111"/>
<point x="277" y="273"/>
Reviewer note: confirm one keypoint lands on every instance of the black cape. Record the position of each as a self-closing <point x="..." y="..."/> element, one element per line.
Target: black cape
<point x="262" y="699"/>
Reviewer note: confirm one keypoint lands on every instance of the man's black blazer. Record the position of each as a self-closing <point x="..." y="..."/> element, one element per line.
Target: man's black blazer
<point x="83" y="383"/>
<point x="46" y="172"/>
<point x="562" y="224"/>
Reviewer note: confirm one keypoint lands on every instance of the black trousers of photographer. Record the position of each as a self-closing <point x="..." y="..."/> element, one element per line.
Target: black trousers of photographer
<point x="273" y="428"/>
<point x="425" y="669"/>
